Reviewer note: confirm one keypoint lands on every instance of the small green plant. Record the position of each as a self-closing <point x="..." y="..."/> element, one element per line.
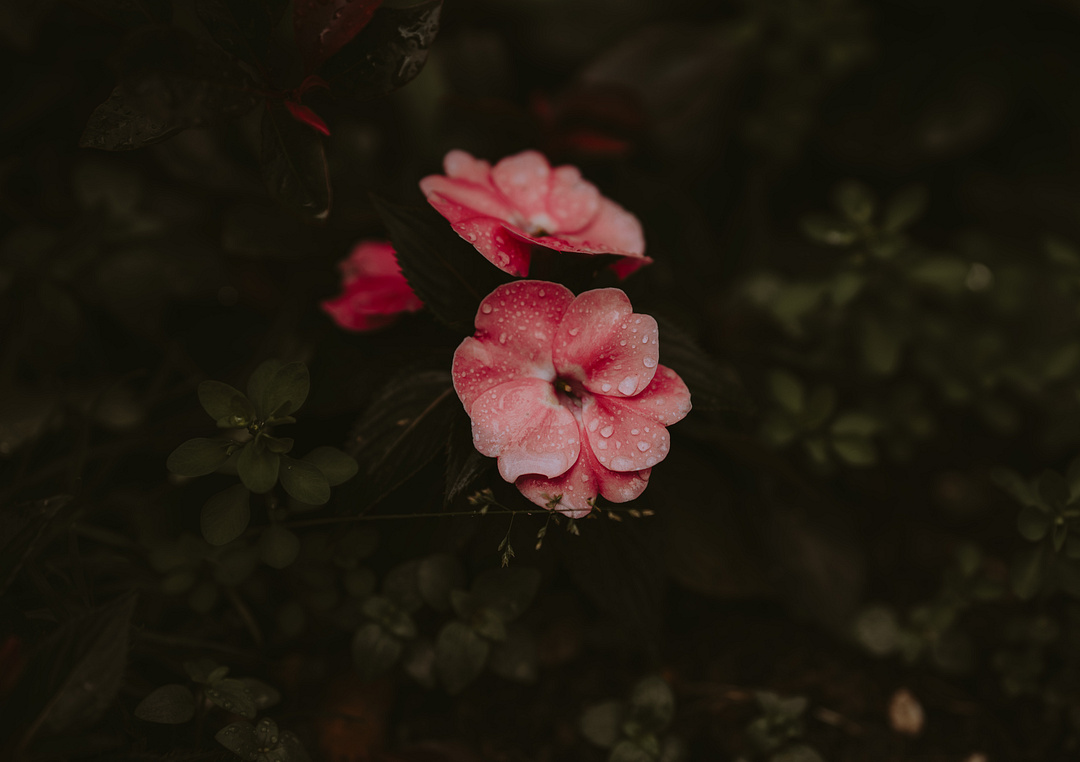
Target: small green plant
<point x="776" y="732"/>
<point x="635" y="729"/>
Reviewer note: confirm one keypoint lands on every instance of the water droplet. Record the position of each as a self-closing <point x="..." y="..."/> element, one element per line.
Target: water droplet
<point x="645" y="339"/>
<point x="542" y="293"/>
<point x="628" y="385"/>
<point x="635" y="432"/>
<point x="575" y="331"/>
<point x="621" y="463"/>
<point x="649" y="362"/>
<point x="607" y="431"/>
<point x="502" y="338"/>
<point x="601" y="445"/>
<point x="605" y="388"/>
<point x="643" y="446"/>
<point x="593" y="424"/>
<point x="485" y="308"/>
<point x="622" y="343"/>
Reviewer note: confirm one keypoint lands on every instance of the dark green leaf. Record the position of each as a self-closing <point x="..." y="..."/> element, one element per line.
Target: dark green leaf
<point x="374" y="650"/>
<point x="880" y="346"/>
<point x="464" y="464"/>
<point x="948" y="274"/>
<point x="387" y="54"/>
<point x="406" y="426"/>
<point x="877" y="630"/>
<point x="258" y="385"/>
<point x="402" y="586"/>
<point x="84" y="661"/>
<point x="515" y="657"/>
<point x="393" y="619"/>
<point x="120" y="124"/>
<point x="203" y="669"/>
<point x="487" y="622"/>
<point x="278" y="445"/>
<point x="294" y="167"/>
<point x="278" y="546"/>
<point x="1028" y="571"/>
<point x="788" y="391"/>
<point x="436" y="576"/>
<point x="226" y="405"/>
<point x="713" y="386"/>
<point x="262" y="694"/>
<point x="797" y="753"/>
<point x="442" y="269"/>
<point x="335" y="465"/>
<point x="236" y="565"/>
<point x="169" y="705"/>
<point x="1033" y="523"/>
<point x="286" y="390"/>
<point x="855" y="425"/>
<point x="652" y="704"/>
<point x="1015" y="485"/>
<point x="304" y="481"/>
<point x="855" y="451"/>
<point x="225" y="516"/>
<point x="906" y="207"/>
<point x="459" y="656"/>
<point x="506" y="591"/>
<point x="239" y="738"/>
<point x="630" y="751"/>
<point x="177" y="79"/>
<point x="240" y="27"/>
<point x="198" y="457"/>
<point x="829" y="230"/>
<point x="1053" y="490"/>
<point x="233" y="696"/>
<point x="323" y="27"/>
<point x="258" y="467"/>
<point x="855" y="201"/>
<point x="601" y="723"/>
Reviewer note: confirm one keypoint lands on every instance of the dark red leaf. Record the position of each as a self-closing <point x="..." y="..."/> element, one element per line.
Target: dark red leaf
<point x="323" y="27"/>
<point x="302" y="113"/>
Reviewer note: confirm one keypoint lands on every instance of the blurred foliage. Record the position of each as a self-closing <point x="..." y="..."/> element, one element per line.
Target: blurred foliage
<point x="867" y="270"/>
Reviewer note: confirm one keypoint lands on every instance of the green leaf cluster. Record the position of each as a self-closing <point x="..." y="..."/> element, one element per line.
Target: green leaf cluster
<point x="776" y="731"/>
<point x="634" y="729"/>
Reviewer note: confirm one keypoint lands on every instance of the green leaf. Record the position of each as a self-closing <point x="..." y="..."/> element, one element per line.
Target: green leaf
<point x="845" y="286"/>
<point x="877" y="630"/>
<point x="263" y="695"/>
<point x="294" y="168"/>
<point x="168" y="705"/>
<point x="1053" y="490"/>
<point x="402" y="586"/>
<point x="819" y="407"/>
<point x="436" y="576"/>
<point x="855" y="451"/>
<point x="487" y="622"/>
<point x="80" y="668"/>
<point x="374" y="650"/>
<point x="506" y="591"/>
<point x="460" y="655"/>
<point x="286" y="390"/>
<point x="226" y="405"/>
<point x="856" y="425"/>
<point x="515" y="657"/>
<point x="277" y="445"/>
<point x="236" y="565"/>
<point x="204" y="670"/>
<point x="304" y="481"/>
<point x="947" y="274"/>
<point x="829" y="230"/>
<point x="240" y="27"/>
<point x="442" y="268"/>
<point x="1061" y="252"/>
<point x="629" y="751"/>
<point x="174" y="77"/>
<point x="906" y="207"/>
<point x="1028" y="571"/>
<point x="393" y="619"/>
<point x="601" y="723"/>
<point x="278" y="546"/>
<point x="258" y="386"/>
<point x="239" y="738"/>
<point x="880" y="347"/>
<point x="787" y="390"/>
<point x="120" y="124"/>
<point x="406" y="426"/>
<point x="1033" y="523"/>
<point x="387" y="54"/>
<point x="1015" y="485"/>
<point x="652" y="704"/>
<point x="258" y="467"/>
<point x="225" y="516"/>
<point x="322" y="29"/>
<point x="232" y="695"/>
<point x="335" y="465"/>
<point x="199" y="457"/>
<point x="855" y="201"/>
<point x="797" y="753"/>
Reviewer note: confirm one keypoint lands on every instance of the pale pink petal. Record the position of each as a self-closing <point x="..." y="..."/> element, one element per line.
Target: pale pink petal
<point x="515" y="326"/>
<point x="370" y="258"/>
<point x="621" y="437"/>
<point x="666" y="400"/>
<point x="490" y="235"/>
<point x="523" y="424"/>
<point x="613" y="230"/>
<point x="572" y="202"/>
<point x="573" y="492"/>
<point x="605" y="346"/>
<point x="474" y="199"/>
<point x="464" y="166"/>
<point x="374" y="290"/>
<point x="523" y="180"/>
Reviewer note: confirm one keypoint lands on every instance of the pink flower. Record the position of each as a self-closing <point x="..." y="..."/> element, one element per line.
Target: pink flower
<point x="374" y="290"/>
<point x="567" y="393"/>
<point x="521" y="201"/>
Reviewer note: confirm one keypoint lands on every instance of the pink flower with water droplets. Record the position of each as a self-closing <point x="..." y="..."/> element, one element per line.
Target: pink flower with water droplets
<point x="504" y="210"/>
<point x="374" y="291"/>
<point x="568" y="393"/>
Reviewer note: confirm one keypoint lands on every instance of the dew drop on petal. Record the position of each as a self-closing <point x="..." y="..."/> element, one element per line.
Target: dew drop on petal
<point x="622" y="343"/>
<point x="649" y="362"/>
<point x="575" y="331"/>
<point x="628" y="385"/>
<point x="502" y="338"/>
<point x="593" y="424"/>
<point x="635" y="432"/>
<point x="607" y="431"/>
<point x="643" y="446"/>
<point x="645" y="339"/>
<point x="485" y="308"/>
<point x="601" y="445"/>
<point x="621" y="463"/>
<point x="542" y="293"/>
<point x="605" y="387"/>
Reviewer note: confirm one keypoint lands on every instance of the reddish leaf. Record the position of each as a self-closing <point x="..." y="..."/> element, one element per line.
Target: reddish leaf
<point x="302" y="113"/>
<point x="323" y="27"/>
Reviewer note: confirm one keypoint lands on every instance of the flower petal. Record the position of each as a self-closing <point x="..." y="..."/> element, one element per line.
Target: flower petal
<point x="370" y="258"/>
<point x="492" y="237"/>
<point x="621" y="437"/>
<point x="572" y="201"/>
<point x="603" y="344"/>
<point x="524" y="180"/>
<point x="577" y="488"/>
<point x="374" y="290"/>
<point x="523" y="424"/>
